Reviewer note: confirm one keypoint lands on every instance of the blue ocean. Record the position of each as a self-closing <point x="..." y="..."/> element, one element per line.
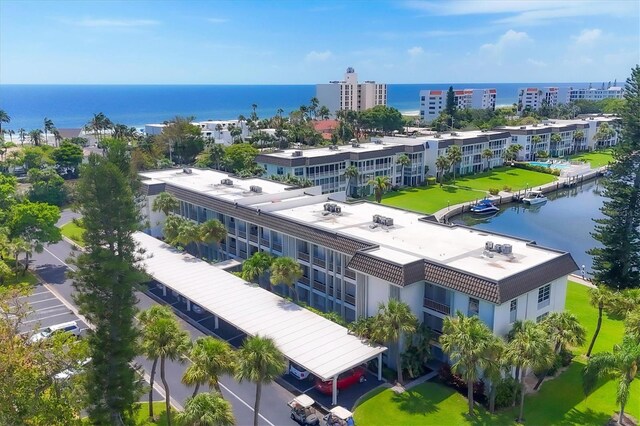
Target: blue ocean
<point x="136" y="105"/>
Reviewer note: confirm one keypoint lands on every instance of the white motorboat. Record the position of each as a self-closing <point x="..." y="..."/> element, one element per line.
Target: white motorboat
<point x="534" y="197"/>
<point x="484" y="207"/>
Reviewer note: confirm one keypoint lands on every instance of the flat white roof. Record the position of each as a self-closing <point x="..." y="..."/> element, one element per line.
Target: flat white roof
<point x="321" y="346"/>
<point x="320" y="152"/>
<point x="411" y="239"/>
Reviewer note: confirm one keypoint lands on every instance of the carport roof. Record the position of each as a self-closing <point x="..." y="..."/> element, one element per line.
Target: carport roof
<point x="319" y="345"/>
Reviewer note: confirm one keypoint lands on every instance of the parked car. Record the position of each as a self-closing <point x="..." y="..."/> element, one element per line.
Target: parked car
<point x="346" y="379"/>
<point x="298" y="372"/>
<point x="69" y="327"/>
<point x="302" y="410"/>
<point x="70" y="372"/>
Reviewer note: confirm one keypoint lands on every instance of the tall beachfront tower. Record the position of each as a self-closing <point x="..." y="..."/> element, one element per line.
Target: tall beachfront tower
<point x="432" y="102"/>
<point x="348" y="94"/>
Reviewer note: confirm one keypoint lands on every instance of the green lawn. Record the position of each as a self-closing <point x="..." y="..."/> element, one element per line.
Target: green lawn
<point x="432" y="198"/>
<point x="142" y="415"/>
<point x="559" y="401"/>
<point x="500" y="177"/>
<point x="73" y="232"/>
<point x="596" y="158"/>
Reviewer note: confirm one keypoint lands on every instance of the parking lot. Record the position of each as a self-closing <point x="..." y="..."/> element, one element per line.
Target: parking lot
<point x="347" y="397"/>
<point x="47" y="310"/>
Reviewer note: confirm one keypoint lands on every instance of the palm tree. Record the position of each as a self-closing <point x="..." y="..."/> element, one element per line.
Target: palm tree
<point x="4" y="118"/>
<point x="564" y="329"/>
<point x="600" y="297"/>
<point x="36" y="136"/>
<point x="535" y="140"/>
<point x="530" y="348"/>
<point x="48" y="126"/>
<point x="324" y="112"/>
<point x="380" y="185"/>
<point x="166" y="203"/>
<point x="172" y="228"/>
<point x="210" y="359"/>
<point x="285" y="270"/>
<point x="442" y="164"/>
<point x="11" y="133"/>
<point x="466" y="340"/>
<point x="403" y="160"/>
<point x="206" y="409"/>
<point x="622" y="363"/>
<point x="147" y="320"/>
<point x="167" y="341"/>
<point x="350" y="172"/>
<point x="393" y="321"/>
<point x="604" y="133"/>
<point x="22" y="134"/>
<point x="189" y="233"/>
<point x="487" y="154"/>
<point x="578" y="136"/>
<point x="256" y="266"/>
<point x="495" y="367"/>
<point x="260" y="362"/>
<point x="632" y="323"/>
<point x="254" y="115"/>
<point x="454" y="155"/>
<point x="313" y="107"/>
<point x="212" y="231"/>
<point x="56" y="136"/>
<point x="556" y="139"/>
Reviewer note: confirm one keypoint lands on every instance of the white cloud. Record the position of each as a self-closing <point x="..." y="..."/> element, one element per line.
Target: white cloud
<point x="588" y="36"/>
<point x="415" y="51"/>
<point x="536" y="63"/>
<point x="314" y="56"/>
<point x="217" y="20"/>
<point x="507" y="40"/>
<point x="115" y="23"/>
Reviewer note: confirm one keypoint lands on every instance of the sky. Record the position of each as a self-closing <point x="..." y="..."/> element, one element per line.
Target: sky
<point x="303" y="42"/>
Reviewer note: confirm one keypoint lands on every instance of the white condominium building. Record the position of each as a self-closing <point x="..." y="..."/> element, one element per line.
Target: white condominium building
<point x="218" y="131"/>
<point x="348" y="94"/>
<point x="593" y="94"/>
<point x="432" y="102"/>
<point x="355" y="256"/>
<point x="534" y="98"/>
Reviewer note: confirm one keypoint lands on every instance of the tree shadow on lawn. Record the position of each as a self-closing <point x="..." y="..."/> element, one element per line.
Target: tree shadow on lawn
<point x="414" y="402"/>
<point x="587" y="417"/>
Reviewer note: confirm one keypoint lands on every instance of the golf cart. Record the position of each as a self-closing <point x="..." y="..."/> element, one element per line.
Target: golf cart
<point x="302" y="410"/>
<point x="339" y="416"/>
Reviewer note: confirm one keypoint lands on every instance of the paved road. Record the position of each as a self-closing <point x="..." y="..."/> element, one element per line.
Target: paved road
<point x="51" y="266"/>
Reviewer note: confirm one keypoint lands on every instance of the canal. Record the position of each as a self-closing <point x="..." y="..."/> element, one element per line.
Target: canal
<point x="564" y="222"/>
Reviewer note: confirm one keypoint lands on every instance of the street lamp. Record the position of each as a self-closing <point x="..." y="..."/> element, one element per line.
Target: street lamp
<point x="583" y="273"/>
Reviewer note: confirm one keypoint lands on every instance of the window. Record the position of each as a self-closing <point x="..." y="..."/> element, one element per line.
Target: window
<point x="280" y="170"/>
<point x="299" y="171"/>
<point x="513" y="310"/>
<point x="544" y="295"/>
<point x="541" y="317"/>
<point x="474" y="307"/>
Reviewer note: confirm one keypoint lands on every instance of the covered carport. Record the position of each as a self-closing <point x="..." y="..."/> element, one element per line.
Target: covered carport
<point x="322" y="347"/>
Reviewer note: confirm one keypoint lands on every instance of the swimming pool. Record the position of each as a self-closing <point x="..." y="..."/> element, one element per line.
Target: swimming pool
<point x="549" y="165"/>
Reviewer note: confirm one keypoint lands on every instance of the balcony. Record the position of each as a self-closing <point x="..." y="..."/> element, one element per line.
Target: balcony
<point x="242" y="234"/>
<point x="253" y="237"/>
<point x="242" y="254"/>
<point x="319" y="286"/>
<point x="319" y="262"/>
<point x="264" y="242"/>
<point x="350" y="299"/>
<point x="277" y="247"/>
<point x="349" y="274"/>
<point x="437" y="306"/>
<point x="303" y="256"/>
<point x="304" y="280"/>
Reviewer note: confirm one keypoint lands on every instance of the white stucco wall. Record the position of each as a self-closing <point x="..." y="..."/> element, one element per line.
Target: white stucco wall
<point x="378" y="292"/>
<point x="155" y="219"/>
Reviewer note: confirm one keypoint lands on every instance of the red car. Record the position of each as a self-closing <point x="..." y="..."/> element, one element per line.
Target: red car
<point x="346" y="379"/>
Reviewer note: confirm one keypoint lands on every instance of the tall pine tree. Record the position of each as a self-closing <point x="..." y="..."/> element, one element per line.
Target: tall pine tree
<point x="450" y="106"/>
<point x="617" y="263"/>
<point x="105" y="281"/>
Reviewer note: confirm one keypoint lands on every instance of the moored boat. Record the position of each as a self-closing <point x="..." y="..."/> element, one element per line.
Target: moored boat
<point x="484" y="207"/>
<point x="534" y="197"/>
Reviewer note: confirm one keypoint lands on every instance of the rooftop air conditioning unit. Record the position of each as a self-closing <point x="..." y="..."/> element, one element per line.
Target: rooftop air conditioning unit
<point x="388" y="221"/>
<point x="296" y="153"/>
<point x="437" y="136"/>
<point x="497" y="248"/>
<point x="187" y="171"/>
<point x="523" y="127"/>
<point x="507" y="249"/>
<point x="488" y="245"/>
<point x="333" y="147"/>
<point x="377" y="218"/>
<point x="326" y="206"/>
<point x="454" y="133"/>
<point x="355" y="145"/>
<point x="377" y="141"/>
<point x="255" y="188"/>
<point x="337" y="210"/>
<point x="227" y="182"/>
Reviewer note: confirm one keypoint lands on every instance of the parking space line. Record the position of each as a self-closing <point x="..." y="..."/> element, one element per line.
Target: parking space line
<point x="49" y="308"/>
<point x="50" y="316"/>
<point x="44" y="300"/>
<point x="307" y="390"/>
<point x="33" y="294"/>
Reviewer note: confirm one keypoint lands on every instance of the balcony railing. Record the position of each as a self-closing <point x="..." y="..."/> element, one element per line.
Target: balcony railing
<point x="242" y="254"/>
<point x="437" y="306"/>
<point x="350" y="299"/>
<point x="277" y="247"/>
<point x="303" y="256"/>
<point x="304" y="280"/>
<point x="319" y="262"/>
<point x="264" y="242"/>
<point x="253" y="237"/>
<point x="242" y="234"/>
<point x="350" y="274"/>
<point x="319" y="286"/>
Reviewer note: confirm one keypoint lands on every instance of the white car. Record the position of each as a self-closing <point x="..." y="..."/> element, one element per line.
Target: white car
<point x="70" y="372"/>
<point x="298" y="372"/>
<point x="69" y="327"/>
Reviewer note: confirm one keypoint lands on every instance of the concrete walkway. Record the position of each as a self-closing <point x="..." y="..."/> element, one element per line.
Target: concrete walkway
<point x="578" y="279"/>
<point x="414" y="383"/>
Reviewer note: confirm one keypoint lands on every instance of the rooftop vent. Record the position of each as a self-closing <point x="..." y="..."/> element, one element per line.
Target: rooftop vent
<point x="377" y="141"/>
<point x="355" y="144"/>
<point x="523" y="127"/>
<point x="296" y="153"/>
<point x="382" y="220"/>
<point x="187" y="171"/>
<point x="437" y="136"/>
<point x="454" y="133"/>
<point x="331" y="208"/>
<point x="255" y="188"/>
<point x="491" y="247"/>
<point x="333" y="147"/>
<point x="227" y="182"/>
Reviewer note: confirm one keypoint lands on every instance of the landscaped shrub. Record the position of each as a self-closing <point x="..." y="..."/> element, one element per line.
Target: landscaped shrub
<point x="506" y="188"/>
<point x="539" y="169"/>
<point x="505" y="391"/>
<point x="494" y="191"/>
<point x="431" y="180"/>
<point x="457" y="382"/>
<point x="566" y="357"/>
